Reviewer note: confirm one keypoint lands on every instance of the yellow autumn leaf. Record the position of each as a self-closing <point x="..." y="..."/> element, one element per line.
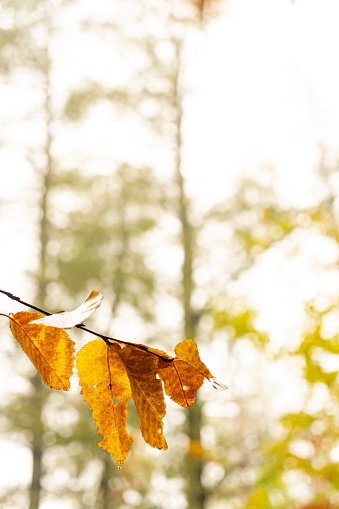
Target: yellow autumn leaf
<point x="49" y="348"/>
<point x="106" y="387"/>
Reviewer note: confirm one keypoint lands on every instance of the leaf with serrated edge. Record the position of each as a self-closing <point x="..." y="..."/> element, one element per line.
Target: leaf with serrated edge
<point x="104" y="380"/>
<point x="147" y="392"/>
<point x="70" y="319"/>
<point x="50" y="349"/>
<point x="185" y="375"/>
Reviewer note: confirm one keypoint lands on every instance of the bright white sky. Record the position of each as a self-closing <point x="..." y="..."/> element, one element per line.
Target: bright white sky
<point x="266" y="91"/>
<point x="265" y="85"/>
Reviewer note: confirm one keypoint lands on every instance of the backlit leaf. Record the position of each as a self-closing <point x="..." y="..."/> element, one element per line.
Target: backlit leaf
<point x="117" y="373"/>
<point x="105" y="385"/>
<point x="111" y="374"/>
<point x="50" y="349"/>
<point x="185" y="375"/>
<point x="147" y="392"/>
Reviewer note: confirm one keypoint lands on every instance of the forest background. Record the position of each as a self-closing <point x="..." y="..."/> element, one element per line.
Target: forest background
<point x="181" y="158"/>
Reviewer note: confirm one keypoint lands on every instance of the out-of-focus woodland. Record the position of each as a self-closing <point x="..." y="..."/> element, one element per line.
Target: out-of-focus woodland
<point x="98" y="154"/>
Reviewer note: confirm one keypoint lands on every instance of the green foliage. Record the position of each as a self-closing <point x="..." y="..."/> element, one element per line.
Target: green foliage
<point x="239" y="324"/>
<point x="305" y="446"/>
<point x="103" y="235"/>
<point x="257" y="219"/>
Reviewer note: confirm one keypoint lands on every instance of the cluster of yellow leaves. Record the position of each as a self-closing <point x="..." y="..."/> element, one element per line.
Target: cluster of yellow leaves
<point x="111" y="373"/>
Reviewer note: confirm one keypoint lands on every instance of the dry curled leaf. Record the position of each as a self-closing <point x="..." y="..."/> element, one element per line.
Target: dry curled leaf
<point x="49" y="348"/>
<point x="70" y="319"/>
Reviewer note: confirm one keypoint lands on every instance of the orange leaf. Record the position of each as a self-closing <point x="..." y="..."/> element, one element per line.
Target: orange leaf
<point x="49" y="348"/>
<point x="185" y="375"/>
<point x="105" y="385"/>
<point x="147" y="392"/>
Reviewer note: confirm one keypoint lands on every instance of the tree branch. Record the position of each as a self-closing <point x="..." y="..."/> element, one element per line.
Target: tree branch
<point x="13" y="297"/>
<point x="108" y="340"/>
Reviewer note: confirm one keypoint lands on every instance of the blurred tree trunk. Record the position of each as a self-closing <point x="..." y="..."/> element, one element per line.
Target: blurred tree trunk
<point x="194" y="488"/>
<point x="37" y="441"/>
<point x="39" y="394"/>
<point x="104" y="490"/>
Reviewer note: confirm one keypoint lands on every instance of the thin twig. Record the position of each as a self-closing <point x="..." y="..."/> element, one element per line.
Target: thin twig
<point x="13" y="297"/>
<point x="108" y="340"/>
